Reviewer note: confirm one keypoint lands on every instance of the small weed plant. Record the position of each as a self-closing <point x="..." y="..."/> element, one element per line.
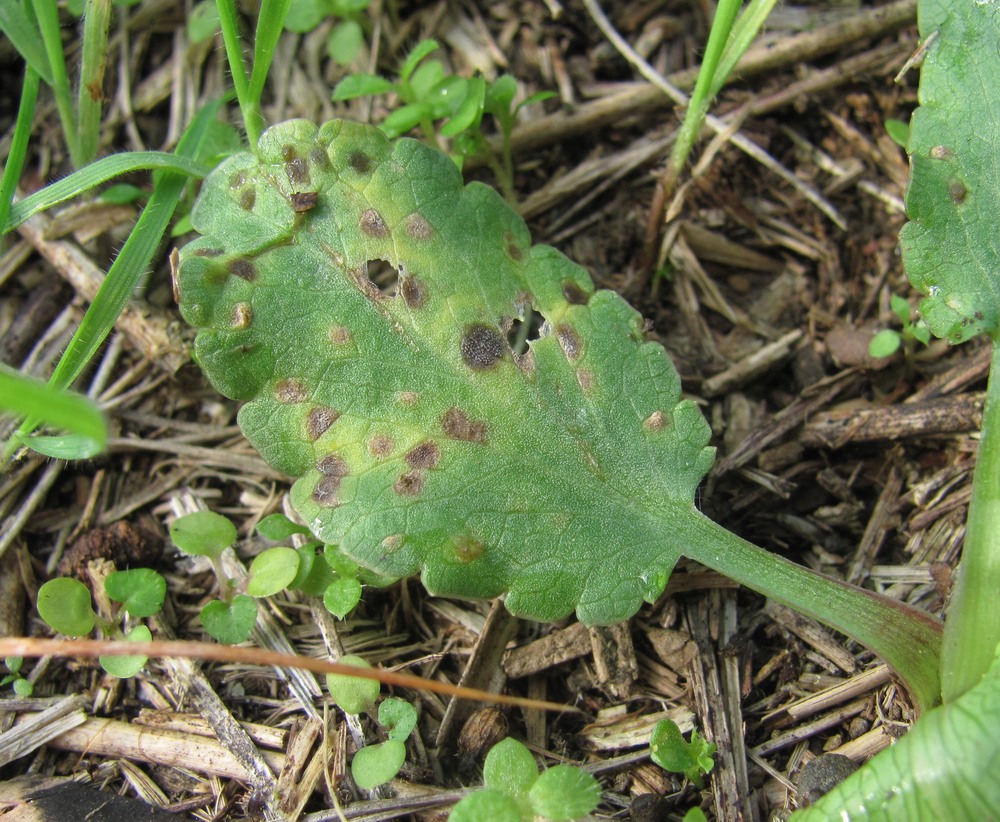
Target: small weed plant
<point x="514" y="790"/>
<point x="671" y="751"/>
<point x="888" y="341"/>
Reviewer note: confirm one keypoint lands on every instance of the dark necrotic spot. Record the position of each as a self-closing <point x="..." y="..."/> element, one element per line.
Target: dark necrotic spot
<point x="319" y="158"/>
<point x="456" y="424"/>
<point x="243" y="268"/>
<point x="380" y="446"/>
<point x="304" y="201"/>
<point x="425" y="455"/>
<point x="414" y="292"/>
<point x="290" y="390"/>
<point x="332" y="465"/>
<point x="298" y="172"/>
<point x="208" y="252"/>
<point x="409" y="484"/>
<point x="569" y="340"/>
<point x="417" y="227"/>
<point x="482" y="346"/>
<point x="360" y="162"/>
<point x="573" y="293"/>
<point x="319" y="420"/>
<point x="512" y="247"/>
<point x="237" y="180"/>
<point x="957" y="191"/>
<point x="325" y="492"/>
<point x="372" y="224"/>
<point x="248" y="199"/>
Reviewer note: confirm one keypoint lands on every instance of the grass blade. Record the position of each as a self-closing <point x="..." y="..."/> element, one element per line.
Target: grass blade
<point x="128" y="268"/>
<point x="48" y="24"/>
<point x="237" y="68"/>
<point x="23" y="35"/>
<point x="19" y="143"/>
<point x="93" y="62"/>
<point x="25" y="396"/>
<point x="96" y="173"/>
<point x="270" y="24"/>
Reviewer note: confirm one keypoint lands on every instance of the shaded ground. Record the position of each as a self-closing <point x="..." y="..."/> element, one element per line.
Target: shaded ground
<point x="856" y="468"/>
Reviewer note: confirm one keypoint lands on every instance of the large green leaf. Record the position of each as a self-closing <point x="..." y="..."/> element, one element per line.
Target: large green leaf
<point x="951" y="247"/>
<point x="423" y="443"/>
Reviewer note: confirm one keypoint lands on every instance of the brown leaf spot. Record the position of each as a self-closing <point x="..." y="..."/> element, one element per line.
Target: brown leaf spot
<point x="380" y="446"/>
<point x="941" y="152"/>
<point x="303" y="201"/>
<point x="208" y="252"/>
<point x="290" y="390"/>
<point x="482" y="346"/>
<point x="574" y="294"/>
<point x="414" y="291"/>
<point x="242" y="316"/>
<point x="94" y="91"/>
<point x="513" y="250"/>
<point x="417" y="227"/>
<point x="248" y="199"/>
<point x="372" y="224"/>
<point x="243" y="268"/>
<point x="360" y="162"/>
<point x="409" y="484"/>
<point x="298" y="172"/>
<point x="325" y="492"/>
<point x="392" y="543"/>
<point x="467" y="549"/>
<point x="237" y="180"/>
<point x="656" y="421"/>
<point x="569" y="340"/>
<point x="319" y="420"/>
<point x="319" y="158"/>
<point x="425" y="455"/>
<point x="957" y="191"/>
<point x="457" y="425"/>
<point x="585" y="379"/>
<point x="339" y="335"/>
<point x="409" y="397"/>
<point x="332" y="465"/>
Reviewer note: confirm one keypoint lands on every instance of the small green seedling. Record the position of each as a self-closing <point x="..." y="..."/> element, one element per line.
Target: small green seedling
<point x="22" y="687"/>
<point x="514" y="791"/>
<point x="231" y="618"/>
<point x="888" y="341"/>
<point x="375" y="764"/>
<point x="346" y="36"/>
<point x="65" y="605"/>
<point x="669" y="750"/>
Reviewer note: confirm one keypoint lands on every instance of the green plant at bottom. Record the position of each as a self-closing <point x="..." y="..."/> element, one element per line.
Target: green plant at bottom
<point x="669" y="750"/>
<point x="375" y="764"/>
<point x="514" y="790"/>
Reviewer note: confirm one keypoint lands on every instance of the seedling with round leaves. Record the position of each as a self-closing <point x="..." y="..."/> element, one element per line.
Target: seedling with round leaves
<point x="888" y="341"/>
<point x="375" y="764"/>
<point x="232" y="617"/>
<point x="64" y="603"/>
<point x="21" y="685"/>
<point x="671" y="751"/>
<point x="514" y="790"/>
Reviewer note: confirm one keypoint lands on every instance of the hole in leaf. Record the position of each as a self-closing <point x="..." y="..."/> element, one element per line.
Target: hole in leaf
<point x="524" y="331"/>
<point x="384" y="275"/>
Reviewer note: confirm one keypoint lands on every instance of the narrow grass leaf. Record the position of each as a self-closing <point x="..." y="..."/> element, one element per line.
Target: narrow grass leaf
<point x="48" y="24"/>
<point x="26" y="396"/>
<point x="23" y="35"/>
<point x="270" y="24"/>
<point x="19" y="143"/>
<point x="745" y="29"/>
<point x="93" y="60"/>
<point x="237" y="67"/>
<point x="100" y="171"/>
